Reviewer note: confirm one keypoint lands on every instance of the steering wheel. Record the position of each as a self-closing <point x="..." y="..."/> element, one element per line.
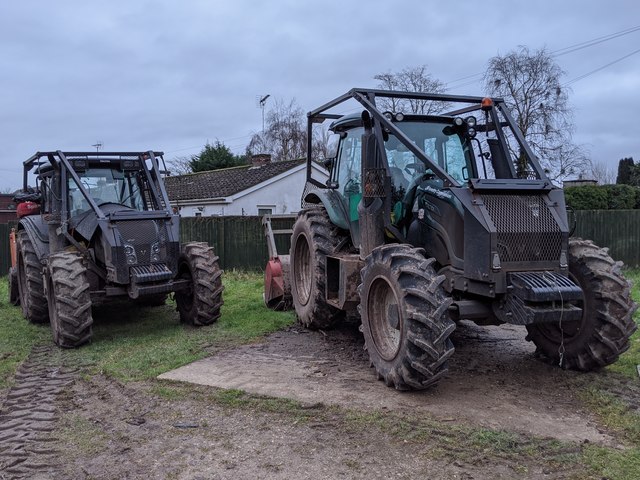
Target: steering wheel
<point x="417" y="168"/>
<point x="115" y="203"/>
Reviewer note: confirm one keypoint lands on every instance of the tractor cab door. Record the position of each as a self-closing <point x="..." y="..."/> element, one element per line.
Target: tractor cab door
<point x="347" y="176"/>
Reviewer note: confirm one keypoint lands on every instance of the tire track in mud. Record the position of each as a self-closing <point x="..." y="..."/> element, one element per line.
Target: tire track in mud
<point x="28" y="416"/>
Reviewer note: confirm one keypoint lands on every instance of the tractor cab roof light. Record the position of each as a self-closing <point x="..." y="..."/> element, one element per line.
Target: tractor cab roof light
<point x="486" y="104"/>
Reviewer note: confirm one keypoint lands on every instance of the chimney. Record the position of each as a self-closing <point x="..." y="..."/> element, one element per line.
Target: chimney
<point x="260" y="159"/>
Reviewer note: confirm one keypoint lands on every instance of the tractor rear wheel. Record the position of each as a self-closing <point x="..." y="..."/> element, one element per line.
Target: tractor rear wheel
<point x="30" y="282"/>
<point x="313" y="238"/>
<point x="69" y="300"/>
<point x="607" y="322"/>
<point x="405" y="319"/>
<point x="200" y="304"/>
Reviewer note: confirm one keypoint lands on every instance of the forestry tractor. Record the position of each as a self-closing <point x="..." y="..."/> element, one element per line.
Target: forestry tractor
<point x="99" y="226"/>
<point x="431" y="218"/>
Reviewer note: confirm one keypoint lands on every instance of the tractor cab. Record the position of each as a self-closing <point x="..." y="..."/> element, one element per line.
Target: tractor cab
<point x="445" y="139"/>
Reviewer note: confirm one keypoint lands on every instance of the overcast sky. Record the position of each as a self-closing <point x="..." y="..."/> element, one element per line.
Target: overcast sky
<point x="170" y="75"/>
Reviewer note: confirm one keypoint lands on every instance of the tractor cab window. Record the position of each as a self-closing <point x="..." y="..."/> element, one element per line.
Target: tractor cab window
<point x="448" y="149"/>
<point x="105" y="185"/>
<point x="349" y="162"/>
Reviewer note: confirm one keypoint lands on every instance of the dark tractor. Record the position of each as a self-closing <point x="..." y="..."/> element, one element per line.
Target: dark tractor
<point x="99" y="226"/>
<point x="430" y="219"/>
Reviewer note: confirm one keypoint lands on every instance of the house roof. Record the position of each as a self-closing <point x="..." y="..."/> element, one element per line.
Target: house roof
<point x="224" y="182"/>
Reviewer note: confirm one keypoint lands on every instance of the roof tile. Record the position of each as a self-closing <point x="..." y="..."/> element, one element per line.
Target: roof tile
<point x="224" y="182"/>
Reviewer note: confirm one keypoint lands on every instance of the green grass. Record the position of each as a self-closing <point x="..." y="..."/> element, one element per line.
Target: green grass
<point x="629" y="361"/>
<point x="613" y="413"/>
<point x="17" y="336"/>
<point x="133" y="343"/>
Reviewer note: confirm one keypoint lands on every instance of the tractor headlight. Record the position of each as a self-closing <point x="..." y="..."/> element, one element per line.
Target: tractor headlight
<point x="155" y="252"/>
<point x="471" y="122"/>
<point x="399" y="117"/>
<point x="130" y="252"/>
<point x="458" y="121"/>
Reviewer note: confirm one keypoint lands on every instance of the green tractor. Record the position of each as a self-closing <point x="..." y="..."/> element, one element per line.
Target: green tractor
<point x="428" y="219"/>
<point x="99" y="226"/>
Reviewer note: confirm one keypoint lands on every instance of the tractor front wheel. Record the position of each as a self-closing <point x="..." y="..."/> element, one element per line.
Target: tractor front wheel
<point x="405" y="319"/>
<point x="603" y="333"/>
<point x="69" y="300"/>
<point x="313" y="238"/>
<point x="200" y="304"/>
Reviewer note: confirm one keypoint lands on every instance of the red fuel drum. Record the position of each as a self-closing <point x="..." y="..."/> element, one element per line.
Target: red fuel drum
<point x="27" y="208"/>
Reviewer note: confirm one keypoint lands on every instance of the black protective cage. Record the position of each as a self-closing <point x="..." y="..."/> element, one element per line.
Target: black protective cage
<point x="493" y="107"/>
<point x="59" y="160"/>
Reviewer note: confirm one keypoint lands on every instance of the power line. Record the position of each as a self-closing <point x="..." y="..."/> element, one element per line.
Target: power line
<point x="570" y="82"/>
<point x="564" y="51"/>
<point x="592" y="42"/>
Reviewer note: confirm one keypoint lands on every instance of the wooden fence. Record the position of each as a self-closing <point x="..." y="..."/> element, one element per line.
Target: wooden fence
<point x="619" y="230"/>
<point x="240" y="241"/>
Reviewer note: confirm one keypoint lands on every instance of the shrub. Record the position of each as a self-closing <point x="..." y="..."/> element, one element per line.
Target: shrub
<point x="588" y="197"/>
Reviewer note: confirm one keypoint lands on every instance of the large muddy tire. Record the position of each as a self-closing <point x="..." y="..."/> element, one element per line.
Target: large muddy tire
<point x="200" y="304"/>
<point x="405" y="319"/>
<point x="14" y="293"/>
<point x="69" y="300"/>
<point x="30" y="282"/>
<point x="313" y="238"/>
<point x="603" y="333"/>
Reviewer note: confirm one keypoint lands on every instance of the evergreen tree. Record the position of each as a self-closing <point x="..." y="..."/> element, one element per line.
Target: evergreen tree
<point x="214" y="157"/>
<point x="626" y="169"/>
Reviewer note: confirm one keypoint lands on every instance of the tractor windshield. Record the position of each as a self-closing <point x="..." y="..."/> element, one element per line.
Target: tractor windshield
<point x="105" y="185"/>
<point x="439" y="141"/>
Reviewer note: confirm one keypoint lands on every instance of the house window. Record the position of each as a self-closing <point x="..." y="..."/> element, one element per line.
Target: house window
<point x="198" y="214"/>
<point x="265" y="211"/>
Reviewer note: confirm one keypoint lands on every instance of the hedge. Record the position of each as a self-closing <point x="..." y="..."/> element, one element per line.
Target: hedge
<point x="605" y="197"/>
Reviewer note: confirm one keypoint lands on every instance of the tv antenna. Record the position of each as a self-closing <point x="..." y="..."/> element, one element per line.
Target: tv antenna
<point x="262" y="101"/>
<point x="98" y="145"/>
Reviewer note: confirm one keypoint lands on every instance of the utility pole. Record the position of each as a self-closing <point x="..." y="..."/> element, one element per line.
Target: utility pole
<point x="261" y="103"/>
<point x="98" y="145"/>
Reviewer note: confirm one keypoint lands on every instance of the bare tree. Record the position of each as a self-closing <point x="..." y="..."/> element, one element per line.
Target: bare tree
<point x="602" y="172"/>
<point x="180" y="165"/>
<point x="324" y="143"/>
<point x="530" y="84"/>
<point x="411" y="79"/>
<point x="285" y="133"/>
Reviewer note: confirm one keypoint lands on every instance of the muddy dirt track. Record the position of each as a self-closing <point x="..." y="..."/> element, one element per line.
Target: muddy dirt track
<point x="494" y="381"/>
<point x="97" y="428"/>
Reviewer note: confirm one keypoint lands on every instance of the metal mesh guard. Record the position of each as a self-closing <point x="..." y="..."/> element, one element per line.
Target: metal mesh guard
<point x="525" y="227"/>
<point x="374" y="183"/>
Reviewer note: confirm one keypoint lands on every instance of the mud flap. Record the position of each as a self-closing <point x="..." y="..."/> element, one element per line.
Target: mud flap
<point x="277" y="285"/>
